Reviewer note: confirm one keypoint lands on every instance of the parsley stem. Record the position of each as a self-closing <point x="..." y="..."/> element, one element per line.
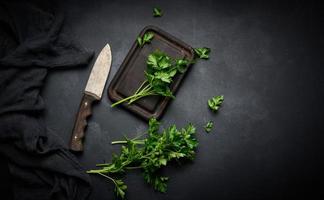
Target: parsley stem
<point x="125" y="142"/>
<point x="141" y="92"/>
<point x="151" y="93"/>
<point x="140" y="86"/>
<point x="113" y="180"/>
<point x="125" y="99"/>
<point x="138" y="167"/>
<point x="102" y="164"/>
<point x="96" y="171"/>
<point x="146" y="88"/>
<point x="119" y="142"/>
<point x="141" y="135"/>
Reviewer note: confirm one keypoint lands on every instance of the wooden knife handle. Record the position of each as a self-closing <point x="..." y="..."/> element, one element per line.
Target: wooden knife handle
<point x="78" y="133"/>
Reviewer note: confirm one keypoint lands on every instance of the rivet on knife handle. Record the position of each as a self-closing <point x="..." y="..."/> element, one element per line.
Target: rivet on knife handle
<point x="78" y="133"/>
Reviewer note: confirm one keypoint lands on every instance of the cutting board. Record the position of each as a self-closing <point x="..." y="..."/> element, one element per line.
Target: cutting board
<point x="130" y="74"/>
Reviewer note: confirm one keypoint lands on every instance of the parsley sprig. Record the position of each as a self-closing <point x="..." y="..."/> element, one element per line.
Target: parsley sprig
<point x="161" y="69"/>
<point x="209" y="126"/>
<point x="150" y="155"/>
<point x="157" y="12"/>
<point x="202" y="53"/>
<point x="147" y="37"/>
<point x="215" y="102"/>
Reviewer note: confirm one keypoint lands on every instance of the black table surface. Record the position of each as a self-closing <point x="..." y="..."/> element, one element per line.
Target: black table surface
<point x="266" y="61"/>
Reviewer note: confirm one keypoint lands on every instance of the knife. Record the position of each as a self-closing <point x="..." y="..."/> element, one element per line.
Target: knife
<point x="93" y="92"/>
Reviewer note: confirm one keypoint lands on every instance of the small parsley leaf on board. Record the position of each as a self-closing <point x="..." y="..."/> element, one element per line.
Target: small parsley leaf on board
<point x="139" y="41"/>
<point x="147" y="38"/>
<point x="209" y="126"/>
<point x="215" y="102"/>
<point x="202" y="52"/>
<point x="157" y="12"/>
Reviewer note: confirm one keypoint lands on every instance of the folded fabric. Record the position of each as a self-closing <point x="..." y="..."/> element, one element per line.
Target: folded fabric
<point x="32" y="41"/>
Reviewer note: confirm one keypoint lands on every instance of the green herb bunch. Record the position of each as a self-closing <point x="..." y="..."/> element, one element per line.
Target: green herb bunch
<point x="150" y="155"/>
<point x="161" y="69"/>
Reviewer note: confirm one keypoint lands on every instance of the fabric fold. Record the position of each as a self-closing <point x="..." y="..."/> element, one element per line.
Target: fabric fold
<point x="33" y="41"/>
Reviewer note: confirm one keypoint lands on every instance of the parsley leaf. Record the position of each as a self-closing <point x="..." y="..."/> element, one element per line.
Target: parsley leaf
<point x="147" y="37"/>
<point x="181" y="65"/>
<point x="163" y="76"/>
<point x="209" y="126"/>
<point x="215" y="102"/>
<point x="157" y="12"/>
<point x="161" y="69"/>
<point x="150" y="155"/>
<point x="120" y="188"/>
<point x="202" y="53"/>
<point x="139" y="41"/>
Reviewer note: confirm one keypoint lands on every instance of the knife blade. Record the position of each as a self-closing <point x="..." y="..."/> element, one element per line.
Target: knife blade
<point x="93" y="92"/>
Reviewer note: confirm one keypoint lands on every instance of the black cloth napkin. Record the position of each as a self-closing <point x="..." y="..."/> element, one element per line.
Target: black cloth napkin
<point x="32" y="41"/>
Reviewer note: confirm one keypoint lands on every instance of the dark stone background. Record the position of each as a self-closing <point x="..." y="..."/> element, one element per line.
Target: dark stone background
<point x="266" y="60"/>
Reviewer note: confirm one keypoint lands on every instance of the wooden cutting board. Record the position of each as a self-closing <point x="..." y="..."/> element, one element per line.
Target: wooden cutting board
<point x="131" y="73"/>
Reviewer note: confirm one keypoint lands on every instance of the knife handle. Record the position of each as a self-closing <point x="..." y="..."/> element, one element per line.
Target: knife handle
<point x="85" y="110"/>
